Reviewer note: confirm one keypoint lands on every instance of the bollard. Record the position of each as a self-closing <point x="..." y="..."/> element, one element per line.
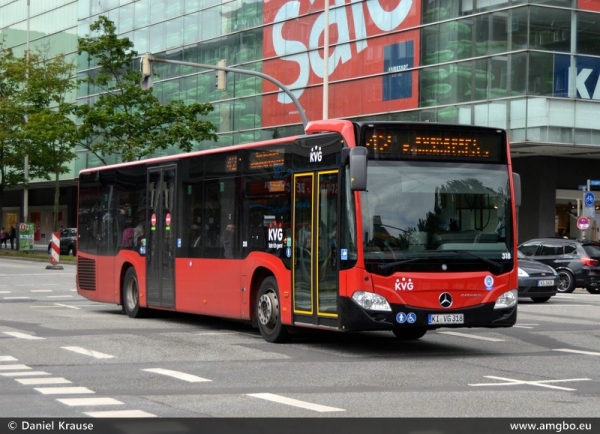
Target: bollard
<point x="55" y="252"/>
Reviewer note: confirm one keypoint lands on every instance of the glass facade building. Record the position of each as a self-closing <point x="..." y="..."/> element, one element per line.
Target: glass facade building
<point x="531" y="67"/>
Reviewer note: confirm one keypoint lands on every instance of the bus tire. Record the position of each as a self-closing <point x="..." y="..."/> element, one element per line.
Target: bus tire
<point x="409" y="334"/>
<point x="268" y="313"/>
<point x="131" y="295"/>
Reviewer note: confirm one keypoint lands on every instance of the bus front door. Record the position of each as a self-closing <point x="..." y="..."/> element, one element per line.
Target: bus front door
<point x="314" y="265"/>
<point x="160" y="251"/>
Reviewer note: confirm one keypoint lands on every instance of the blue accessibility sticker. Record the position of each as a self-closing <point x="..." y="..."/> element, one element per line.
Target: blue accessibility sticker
<point x="401" y="318"/>
<point x="489" y="283"/>
<point x="411" y="318"/>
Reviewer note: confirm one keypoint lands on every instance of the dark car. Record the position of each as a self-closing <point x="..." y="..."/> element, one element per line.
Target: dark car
<point x="575" y="261"/>
<point x="68" y="242"/>
<point x="536" y="280"/>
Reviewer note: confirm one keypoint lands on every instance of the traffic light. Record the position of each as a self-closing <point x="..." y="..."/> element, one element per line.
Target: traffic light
<point x="221" y="76"/>
<point x="146" y="70"/>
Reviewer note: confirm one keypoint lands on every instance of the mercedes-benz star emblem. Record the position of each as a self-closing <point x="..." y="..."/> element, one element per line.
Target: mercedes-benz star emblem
<point x="445" y="300"/>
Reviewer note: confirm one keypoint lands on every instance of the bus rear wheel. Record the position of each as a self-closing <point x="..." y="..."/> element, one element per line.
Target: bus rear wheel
<point x="406" y="334"/>
<point x="131" y="295"/>
<point x="268" y="313"/>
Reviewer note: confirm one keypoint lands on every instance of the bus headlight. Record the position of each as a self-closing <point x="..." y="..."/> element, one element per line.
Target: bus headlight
<point x="508" y="299"/>
<point x="371" y="301"/>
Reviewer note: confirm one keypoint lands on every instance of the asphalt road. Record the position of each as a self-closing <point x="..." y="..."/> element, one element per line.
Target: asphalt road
<point x="64" y="356"/>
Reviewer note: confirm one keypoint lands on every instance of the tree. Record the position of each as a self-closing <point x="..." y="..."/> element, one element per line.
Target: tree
<point x="34" y="118"/>
<point x="126" y="121"/>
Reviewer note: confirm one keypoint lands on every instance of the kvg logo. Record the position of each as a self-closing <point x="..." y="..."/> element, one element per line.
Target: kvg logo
<point x="316" y="155"/>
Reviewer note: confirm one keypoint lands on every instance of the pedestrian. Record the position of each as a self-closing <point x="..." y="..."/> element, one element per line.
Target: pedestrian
<point x="12" y="234"/>
<point x="3" y="237"/>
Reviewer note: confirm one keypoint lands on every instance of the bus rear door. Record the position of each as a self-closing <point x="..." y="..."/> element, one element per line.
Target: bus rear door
<point x="314" y="265"/>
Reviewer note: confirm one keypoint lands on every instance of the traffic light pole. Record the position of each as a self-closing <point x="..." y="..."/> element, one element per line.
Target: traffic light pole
<point x="147" y="71"/>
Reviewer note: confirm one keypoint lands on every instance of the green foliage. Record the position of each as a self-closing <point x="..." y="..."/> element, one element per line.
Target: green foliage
<point x="125" y="120"/>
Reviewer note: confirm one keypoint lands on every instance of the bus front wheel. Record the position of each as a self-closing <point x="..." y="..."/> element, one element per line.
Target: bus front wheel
<point x="131" y="295"/>
<point x="269" y="314"/>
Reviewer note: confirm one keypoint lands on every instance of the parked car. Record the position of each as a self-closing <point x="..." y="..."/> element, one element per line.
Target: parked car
<point x="68" y="242"/>
<point x="536" y="280"/>
<point x="575" y="261"/>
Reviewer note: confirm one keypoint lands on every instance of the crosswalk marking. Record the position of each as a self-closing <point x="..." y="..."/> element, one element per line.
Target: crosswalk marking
<point x="123" y="413"/>
<point x="13" y="367"/>
<point x="23" y="373"/>
<point x="90" y="353"/>
<point x="89" y="401"/>
<point x="179" y="375"/>
<point x="294" y="402"/>
<point x="7" y="359"/>
<point x="43" y="380"/>
<point x="21" y="335"/>
<point x="63" y="390"/>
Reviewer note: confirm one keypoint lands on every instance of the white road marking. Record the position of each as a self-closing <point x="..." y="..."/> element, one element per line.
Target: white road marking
<point x="23" y="373"/>
<point x="60" y="296"/>
<point x="5" y="292"/>
<point x="541" y="383"/>
<point x="7" y="359"/>
<point x="21" y="335"/>
<point x="63" y="390"/>
<point x="41" y="290"/>
<point x="215" y="333"/>
<point x="123" y="413"/>
<point x="90" y="353"/>
<point x="44" y="380"/>
<point x="294" y="402"/>
<point x="589" y="353"/>
<point x="13" y="367"/>
<point x="17" y="298"/>
<point x="466" y="335"/>
<point x="89" y="401"/>
<point x="553" y="305"/>
<point x="522" y="327"/>
<point x="67" y="305"/>
<point x="179" y="375"/>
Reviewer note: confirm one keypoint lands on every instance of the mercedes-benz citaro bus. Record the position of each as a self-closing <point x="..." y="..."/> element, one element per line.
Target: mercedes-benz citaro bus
<point x="354" y="226"/>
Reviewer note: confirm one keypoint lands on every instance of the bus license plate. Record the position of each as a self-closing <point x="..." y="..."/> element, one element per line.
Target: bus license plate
<point x="545" y="282"/>
<point x="456" y="318"/>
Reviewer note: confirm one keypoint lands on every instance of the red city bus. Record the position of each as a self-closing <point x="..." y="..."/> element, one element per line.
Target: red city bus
<point x="397" y="226"/>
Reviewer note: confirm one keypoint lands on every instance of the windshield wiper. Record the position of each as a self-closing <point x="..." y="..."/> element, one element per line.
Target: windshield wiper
<point x="497" y="266"/>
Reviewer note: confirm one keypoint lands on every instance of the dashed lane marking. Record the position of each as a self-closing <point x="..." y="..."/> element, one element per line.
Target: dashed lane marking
<point x="60" y="296"/>
<point x="123" y="413"/>
<point x="73" y="402"/>
<point x="43" y="380"/>
<point x="589" y="353"/>
<point x="466" y="335"/>
<point x="17" y="298"/>
<point x="7" y="359"/>
<point x="90" y="353"/>
<point x="179" y="375"/>
<point x="294" y="402"/>
<point x="63" y="390"/>
<point x="20" y="335"/>
<point x="41" y="290"/>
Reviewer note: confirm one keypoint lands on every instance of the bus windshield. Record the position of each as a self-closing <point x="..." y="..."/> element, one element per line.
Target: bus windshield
<point x="436" y="217"/>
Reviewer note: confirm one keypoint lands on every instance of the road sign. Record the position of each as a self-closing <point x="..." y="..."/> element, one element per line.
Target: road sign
<point x="168" y="219"/>
<point x="589" y="199"/>
<point x="153" y="219"/>
<point x="583" y="223"/>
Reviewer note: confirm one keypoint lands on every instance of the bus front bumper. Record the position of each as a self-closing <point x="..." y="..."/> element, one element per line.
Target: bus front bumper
<point x="356" y="318"/>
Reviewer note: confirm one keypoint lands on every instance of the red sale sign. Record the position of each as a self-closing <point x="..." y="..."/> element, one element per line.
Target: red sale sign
<point x="366" y="40"/>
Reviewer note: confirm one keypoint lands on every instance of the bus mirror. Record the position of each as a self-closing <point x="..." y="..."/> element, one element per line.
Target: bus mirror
<point x="517" y="187"/>
<point x="358" y="169"/>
